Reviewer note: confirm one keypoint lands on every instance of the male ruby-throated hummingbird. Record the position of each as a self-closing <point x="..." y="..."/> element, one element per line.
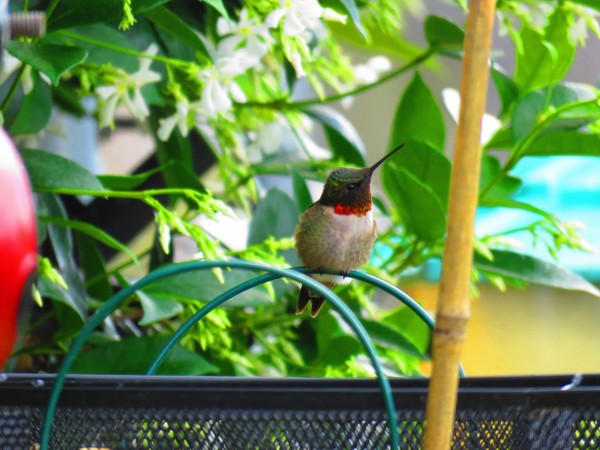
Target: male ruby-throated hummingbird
<point x="337" y="232"/>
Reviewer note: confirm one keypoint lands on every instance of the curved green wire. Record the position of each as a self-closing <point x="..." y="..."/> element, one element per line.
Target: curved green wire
<point x="113" y="303"/>
<point x="249" y="284"/>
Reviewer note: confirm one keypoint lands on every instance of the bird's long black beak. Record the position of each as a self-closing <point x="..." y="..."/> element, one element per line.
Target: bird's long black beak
<point x="382" y="160"/>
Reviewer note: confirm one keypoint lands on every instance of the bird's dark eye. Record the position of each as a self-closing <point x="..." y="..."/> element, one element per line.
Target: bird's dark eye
<point x="351" y="186"/>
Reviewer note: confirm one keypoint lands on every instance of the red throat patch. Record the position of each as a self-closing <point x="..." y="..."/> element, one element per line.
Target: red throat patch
<point x="348" y="210"/>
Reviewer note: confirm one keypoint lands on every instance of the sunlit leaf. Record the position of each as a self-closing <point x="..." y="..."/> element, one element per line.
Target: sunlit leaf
<point x="418" y="117"/>
<point x="571" y="143"/>
<point x="506" y="87"/>
<point x="442" y="34"/>
<point x="349" y="8"/>
<point x="534" y="270"/>
<point x="427" y="164"/>
<point x="528" y="109"/>
<point x="420" y="210"/>
<point x="405" y="321"/>
<point x="536" y="65"/>
<point x="494" y="182"/>
<point x="389" y="337"/>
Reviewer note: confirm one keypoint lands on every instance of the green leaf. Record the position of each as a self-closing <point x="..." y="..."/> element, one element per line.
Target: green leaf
<point x="379" y="41"/>
<point x="536" y="66"/>
<point x="442" y="34"/>
<point x="102" y="55"/>
<point x="74" y="13"/>
<point x="506" y="87"/>
<point x="219" y="7"/>
<point x="204" y="286"/>
<point x="529" y="108"/>
<point x="504" y="185"/>
<point x="502" y="202"/>
<point x="572" y="143"/>
<point x="344" y="141"/>
<point x="48" y="170"/>
<point x="128" y="182"/>
<point x="91" y="230"/>
<point x="420" y="210"/>
<point x="349" y="8"/>
<point x="534" y="270"/>
<point x="502" y="139"/>
<point x="275" y="215"/>
<point x="50" y="59"/>
<point x="170" y="23"/>
<point x="157" y="307"/>
<point x="389" y="337"/>
<point x="301" y="192"/>
<point x="418" y="117"/>
<point x="93" y="266"/>
<point x="405" y="321"/>
<point x="75" y="298"/>
<point x="133" y="356"/>
<point x="34" y="113"/>
<point x="428" y="165"/>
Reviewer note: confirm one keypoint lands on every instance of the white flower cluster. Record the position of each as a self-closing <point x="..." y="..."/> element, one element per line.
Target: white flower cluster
<point x="242" y="46"/>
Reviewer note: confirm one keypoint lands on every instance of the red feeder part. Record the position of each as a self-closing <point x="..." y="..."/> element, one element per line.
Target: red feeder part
<point x="18" y="241"/>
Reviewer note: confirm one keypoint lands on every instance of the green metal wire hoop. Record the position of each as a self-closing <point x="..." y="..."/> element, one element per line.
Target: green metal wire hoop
<point x="112" y="304"/>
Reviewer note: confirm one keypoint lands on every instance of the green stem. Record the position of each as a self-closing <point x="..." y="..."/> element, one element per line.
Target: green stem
<point x="524" y="144"/>
<point x="359" y="90"/>
<point x="284" y="104"/>
<point x="51" y="9"/>
<point x="126" y="51"/>
<point x="92" y="281"/>
<point x="13" y="88"/>
<point x="137" y="195"/>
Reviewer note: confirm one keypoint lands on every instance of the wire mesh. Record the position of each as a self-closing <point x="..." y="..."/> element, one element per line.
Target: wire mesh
<point x="293" y="414"/>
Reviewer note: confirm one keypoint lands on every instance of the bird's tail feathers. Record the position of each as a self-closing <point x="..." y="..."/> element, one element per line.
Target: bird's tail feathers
<point x="306" y="296"/>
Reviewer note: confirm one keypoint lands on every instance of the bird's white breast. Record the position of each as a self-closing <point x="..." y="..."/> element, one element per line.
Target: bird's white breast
<point x="350" y="226"/>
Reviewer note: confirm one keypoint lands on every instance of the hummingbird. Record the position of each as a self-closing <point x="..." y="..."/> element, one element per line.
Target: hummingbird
<point x="337" y="232"/>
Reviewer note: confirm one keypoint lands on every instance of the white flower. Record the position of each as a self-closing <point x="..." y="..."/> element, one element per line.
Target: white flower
<point x="127" y="90"/>
<point x="300" y="15"/>
<point x="489" y="124"/>
<point x="248" y="34"/>
<point x="366" y="74"/>
<point x="369" y="73"/>
<point x="181" y="119"/>
<point x="218" y="92"/>
<point x="538" y="13"/>
<point x="588" y="19"/>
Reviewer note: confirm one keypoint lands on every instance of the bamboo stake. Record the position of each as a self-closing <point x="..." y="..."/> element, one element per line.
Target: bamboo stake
<point x="453" y="303"/>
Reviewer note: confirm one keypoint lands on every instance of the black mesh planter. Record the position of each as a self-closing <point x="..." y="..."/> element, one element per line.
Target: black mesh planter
<point x="138" y="412"/>
<point x="151" y="412"/>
